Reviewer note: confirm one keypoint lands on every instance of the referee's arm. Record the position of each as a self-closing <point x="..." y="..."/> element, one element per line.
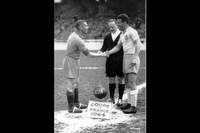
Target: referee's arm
<point x="104" y="46"/>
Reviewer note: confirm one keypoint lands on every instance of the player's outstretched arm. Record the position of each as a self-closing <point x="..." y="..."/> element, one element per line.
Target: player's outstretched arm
<point x="113" y="50"/>
<point x="98" y="54"/>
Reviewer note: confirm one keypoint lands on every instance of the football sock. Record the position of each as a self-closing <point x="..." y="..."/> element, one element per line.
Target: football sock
<point x="121" y="90"/>
<point x="112" y="90"/>
<point x="76" y="100"/>
<point x="133" y="98"/>
<point x="70" y="100"/>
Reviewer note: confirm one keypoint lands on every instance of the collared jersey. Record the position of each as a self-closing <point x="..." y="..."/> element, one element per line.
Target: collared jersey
<point x="129" y="40"/>
<point x="76" y="45"/>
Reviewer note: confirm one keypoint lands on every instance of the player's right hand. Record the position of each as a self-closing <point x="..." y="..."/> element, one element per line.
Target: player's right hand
<point x="107" y="53"/>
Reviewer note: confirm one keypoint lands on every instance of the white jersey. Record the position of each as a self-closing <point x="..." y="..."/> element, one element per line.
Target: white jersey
<point x="129" y="40"/>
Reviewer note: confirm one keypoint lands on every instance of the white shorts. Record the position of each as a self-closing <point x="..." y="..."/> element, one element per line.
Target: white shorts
<point x="131" y="63"/>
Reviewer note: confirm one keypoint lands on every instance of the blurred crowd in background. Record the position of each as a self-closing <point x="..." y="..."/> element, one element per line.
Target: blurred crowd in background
<point x="97" y="13"/>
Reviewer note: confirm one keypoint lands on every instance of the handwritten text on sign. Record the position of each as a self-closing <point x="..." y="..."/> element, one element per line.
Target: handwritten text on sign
<point x="99" y="109"/>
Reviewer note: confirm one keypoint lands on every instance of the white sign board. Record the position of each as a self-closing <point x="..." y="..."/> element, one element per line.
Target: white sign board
<point x="100" y="110"/>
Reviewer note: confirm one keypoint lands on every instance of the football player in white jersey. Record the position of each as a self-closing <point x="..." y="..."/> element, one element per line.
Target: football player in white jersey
<point x="131" y="44"/>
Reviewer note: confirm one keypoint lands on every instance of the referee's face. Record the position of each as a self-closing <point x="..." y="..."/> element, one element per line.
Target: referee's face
<point x="112" y="27"/>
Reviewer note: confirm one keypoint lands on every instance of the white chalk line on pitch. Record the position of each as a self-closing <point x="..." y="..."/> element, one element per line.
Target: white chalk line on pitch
<point x="89" y="68"/>
<point x="83" y="68"/>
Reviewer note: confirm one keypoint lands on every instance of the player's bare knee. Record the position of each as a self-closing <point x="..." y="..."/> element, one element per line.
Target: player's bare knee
<point x="131" y="85"/>
<point x="128" y="86"/>
<point x="69" y="90"/>
<point x="75" y="85"/>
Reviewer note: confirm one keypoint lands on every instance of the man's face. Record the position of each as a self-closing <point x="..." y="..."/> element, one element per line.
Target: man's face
<point x="84" y="27"/>
<point x="112" y="27"/>
<point x="121" y="24"/>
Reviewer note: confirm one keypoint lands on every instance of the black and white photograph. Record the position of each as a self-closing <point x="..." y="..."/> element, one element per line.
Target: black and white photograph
<point x="100" y="66"/>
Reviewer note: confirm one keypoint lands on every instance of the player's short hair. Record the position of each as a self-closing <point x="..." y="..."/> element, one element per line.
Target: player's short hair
<point x="124" y="17"/>
<point x="78" y="23"/>
<point x="111" y="20"/>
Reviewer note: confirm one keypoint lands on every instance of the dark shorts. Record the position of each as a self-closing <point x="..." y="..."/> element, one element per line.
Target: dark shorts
<point x="114" y="68"/>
